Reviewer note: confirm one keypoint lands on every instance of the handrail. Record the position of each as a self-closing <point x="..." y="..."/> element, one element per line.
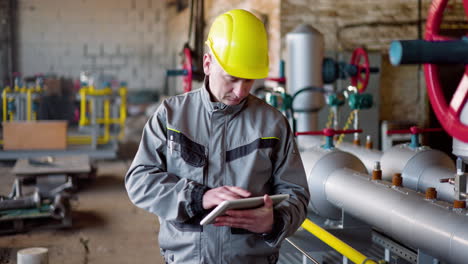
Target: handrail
<point x="335" y="243"/>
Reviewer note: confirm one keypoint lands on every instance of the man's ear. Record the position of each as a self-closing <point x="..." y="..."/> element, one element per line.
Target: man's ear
<point x="207" y="63"/>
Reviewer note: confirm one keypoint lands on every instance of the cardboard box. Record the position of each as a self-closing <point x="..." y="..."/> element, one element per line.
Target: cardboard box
<point x="34" y="135"/>
<point x="53" y="87"/>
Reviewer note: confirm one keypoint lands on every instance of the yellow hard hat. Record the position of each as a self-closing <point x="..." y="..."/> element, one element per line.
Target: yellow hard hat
<point x="238" y="41"/>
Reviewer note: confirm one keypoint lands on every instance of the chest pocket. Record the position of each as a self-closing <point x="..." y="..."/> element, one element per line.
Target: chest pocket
<point x="185" y="157"/>
<point x="261" y="143"/>
<point x="252" y="164"/>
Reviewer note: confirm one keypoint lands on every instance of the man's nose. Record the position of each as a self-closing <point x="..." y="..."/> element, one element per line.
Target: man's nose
<point x="241" y="89"/>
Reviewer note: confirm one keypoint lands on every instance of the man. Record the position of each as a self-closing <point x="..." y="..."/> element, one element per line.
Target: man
<point x="220" y="143"/>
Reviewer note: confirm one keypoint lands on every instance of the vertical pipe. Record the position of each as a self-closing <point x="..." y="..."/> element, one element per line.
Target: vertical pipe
<point x="106" y="120"/>
<point x="94" y="125"/>
<point x="28" y="104"/>
<point x="83" y="120"/>
<point x="5" y="102"/>
<point x="123" y="110"/>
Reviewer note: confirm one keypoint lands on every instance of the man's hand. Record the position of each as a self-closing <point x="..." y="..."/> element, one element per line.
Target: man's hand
<point x="215" y="196"/>
<point x="259" y="220"/>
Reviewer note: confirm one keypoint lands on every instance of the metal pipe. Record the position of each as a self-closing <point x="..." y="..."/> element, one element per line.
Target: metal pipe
<point x="335" y="243"/>
<point x="421" y="168"/>
<point x="83" y="119"/>
<point x="123" y="110"/>
<point x="367" y="156"/>
<point x="29" y="104"/>
<point x="4" y="99"/>
<point x="402" y="214"/>
<point x="302" y="251"/>
<point x="318" y="164"/>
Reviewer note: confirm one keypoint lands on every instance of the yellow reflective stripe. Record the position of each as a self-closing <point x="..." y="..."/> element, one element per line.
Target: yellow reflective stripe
<point x="173" y="129"/>
<point x="270" y="138"/>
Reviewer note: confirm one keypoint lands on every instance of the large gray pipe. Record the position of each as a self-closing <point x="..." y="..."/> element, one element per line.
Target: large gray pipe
<point x="433" y="227"/>
<point x="421" y="167"/>
<point x="318" y="164"/>
<point x="367" y="156"/>
<point x="337" y="181"/>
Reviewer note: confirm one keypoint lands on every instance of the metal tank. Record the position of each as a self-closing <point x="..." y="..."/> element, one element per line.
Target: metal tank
<point x="305" y="51"/>
<point x="420" y="169"/>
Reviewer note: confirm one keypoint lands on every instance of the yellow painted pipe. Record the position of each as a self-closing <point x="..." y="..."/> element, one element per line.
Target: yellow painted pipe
<point x="123" y="110"/>
<point x="335" y="243"/>
<point x="82" y="140"/>
<point x="86" y="140"/>
<point x="83" y="119"/>
<point x="106" y="120"/>
<point x="4" y="98"/>
<point x="29" y="104"/>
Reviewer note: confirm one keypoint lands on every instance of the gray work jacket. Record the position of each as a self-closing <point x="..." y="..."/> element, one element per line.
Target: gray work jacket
<point x="191" y="144"/>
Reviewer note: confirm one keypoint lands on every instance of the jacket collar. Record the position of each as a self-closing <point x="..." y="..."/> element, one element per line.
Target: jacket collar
<point x="218" y="106"/>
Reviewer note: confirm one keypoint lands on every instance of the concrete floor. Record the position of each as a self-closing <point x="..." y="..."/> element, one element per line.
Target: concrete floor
<point x="104" y="221"/>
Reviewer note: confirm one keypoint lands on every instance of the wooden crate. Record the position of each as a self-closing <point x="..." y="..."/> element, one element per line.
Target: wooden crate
<point x="35" y="135"/>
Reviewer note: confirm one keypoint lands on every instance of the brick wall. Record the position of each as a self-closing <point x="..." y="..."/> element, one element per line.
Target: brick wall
<point x="124" y="38"/>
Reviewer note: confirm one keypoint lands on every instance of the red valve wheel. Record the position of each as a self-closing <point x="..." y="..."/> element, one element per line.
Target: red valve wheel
<point x="361" y="61"/>
<point x="447" y="114"/>
<point x="188" y="67"/>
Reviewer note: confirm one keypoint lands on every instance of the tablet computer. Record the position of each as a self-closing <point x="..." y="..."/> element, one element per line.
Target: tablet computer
<point x="245" y="203"/>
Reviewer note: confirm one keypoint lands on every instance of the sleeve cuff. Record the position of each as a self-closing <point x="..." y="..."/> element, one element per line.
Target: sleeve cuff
<point x="278" y="226"/>
<point x="197" y="200"/>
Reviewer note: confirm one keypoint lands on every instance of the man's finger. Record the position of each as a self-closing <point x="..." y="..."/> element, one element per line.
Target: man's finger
<point x="239" y="191"/>
<point x="268" y="203"/>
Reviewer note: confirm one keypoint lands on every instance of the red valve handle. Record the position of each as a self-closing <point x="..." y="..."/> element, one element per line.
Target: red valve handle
<point x="329" y="132"/>
<point x="281" y="80"/>
<point x="361" y="61"/>
<point x="413" y="130"/>
<point x="448" y="115"/>
<point x="187" y="65"/>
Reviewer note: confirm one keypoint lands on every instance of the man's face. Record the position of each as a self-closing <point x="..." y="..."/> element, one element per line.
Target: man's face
<point x="225" y="88"/>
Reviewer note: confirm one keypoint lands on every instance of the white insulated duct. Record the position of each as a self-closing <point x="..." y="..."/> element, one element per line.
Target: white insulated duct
<point x="305" y="51"/>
